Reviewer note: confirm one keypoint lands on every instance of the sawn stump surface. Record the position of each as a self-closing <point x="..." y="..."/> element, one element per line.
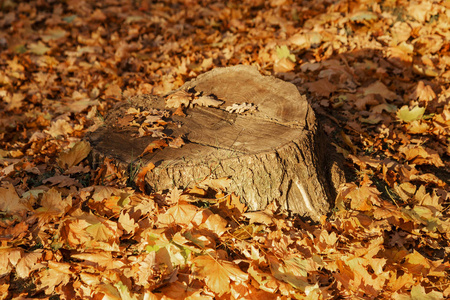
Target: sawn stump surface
<point x="270" y="144"/>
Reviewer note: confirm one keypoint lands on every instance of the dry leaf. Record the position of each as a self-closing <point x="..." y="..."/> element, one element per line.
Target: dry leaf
<point x="178" y="98"/>
<point x="75" y="155"/>
<point x="217" y="273"/>
<point x="156" y="144"/>
<point x="207" y="101"/>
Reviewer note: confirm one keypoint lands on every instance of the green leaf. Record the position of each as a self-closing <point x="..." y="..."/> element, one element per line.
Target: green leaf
<point x="283" y="52"/>
<point x="407" y="115"/>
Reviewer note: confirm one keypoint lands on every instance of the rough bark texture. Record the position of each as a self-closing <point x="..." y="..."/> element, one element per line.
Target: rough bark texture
<point x="277" y="152"/>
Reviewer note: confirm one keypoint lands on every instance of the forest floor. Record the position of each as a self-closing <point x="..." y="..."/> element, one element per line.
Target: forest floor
<point x="376" y="72"/>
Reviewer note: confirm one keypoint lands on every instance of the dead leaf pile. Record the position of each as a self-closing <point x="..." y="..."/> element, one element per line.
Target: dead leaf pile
<point x="376" y="72"/>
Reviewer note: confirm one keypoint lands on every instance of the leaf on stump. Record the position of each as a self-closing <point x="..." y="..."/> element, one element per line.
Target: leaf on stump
<point x="157" y="144"/>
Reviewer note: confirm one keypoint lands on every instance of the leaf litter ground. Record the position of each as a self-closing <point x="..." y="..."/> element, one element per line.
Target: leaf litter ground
<point x="376" y="72"/>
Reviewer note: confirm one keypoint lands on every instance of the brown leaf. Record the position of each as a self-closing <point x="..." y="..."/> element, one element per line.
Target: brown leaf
<point x="321" y="87"/>
<point x="379" y="88"/>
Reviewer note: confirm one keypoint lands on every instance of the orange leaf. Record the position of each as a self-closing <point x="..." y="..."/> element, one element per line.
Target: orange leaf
<point x="182" y="213"/>
<point x="217" y="273"/>
<point x="158" y="144"/>
<point x="140" y="179"/>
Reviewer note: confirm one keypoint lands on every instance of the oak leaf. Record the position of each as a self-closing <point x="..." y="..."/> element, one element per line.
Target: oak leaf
<point x="178" y="98"/>
<point x="207" y="101"/>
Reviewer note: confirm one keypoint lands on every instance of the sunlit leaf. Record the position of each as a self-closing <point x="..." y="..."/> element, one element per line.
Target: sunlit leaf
<point x="408" y="115"/>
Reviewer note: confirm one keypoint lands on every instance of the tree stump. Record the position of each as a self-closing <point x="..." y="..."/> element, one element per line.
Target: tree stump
<point x="263" y="135"/>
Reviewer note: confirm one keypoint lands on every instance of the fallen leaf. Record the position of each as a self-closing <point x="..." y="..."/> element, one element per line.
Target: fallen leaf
<point x="408" y="115"/>
<point x="217" y="273"/>
<point x="140" y="178"/>
<point x="75" y="155"/>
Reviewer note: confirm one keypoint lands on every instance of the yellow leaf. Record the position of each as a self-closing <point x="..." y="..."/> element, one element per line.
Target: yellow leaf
<point x="407" y="115"/>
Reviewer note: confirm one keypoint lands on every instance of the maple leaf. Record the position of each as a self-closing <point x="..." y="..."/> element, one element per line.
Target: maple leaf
<point x="56" y="274"/>
<point x="217" y="273"/>
<point x="89" y="231"/>
<point x="38" y="48"/>
<point x="10" y="201"/>
<point x="181" y="213"/>
<point x="423" y="92"/>
<point x="75" y="155"/>
<point x="9" y="258"/>
<point x="216" y="184"/>
<point x="103" y="259"/>
<point x="418" y="293"/>
<point x="62" y="181"/>
<point x="380" y="89"/>
<point x="408" y="115"/>
<point x="127" y="223"/>
<point x="362" y="198"/>
<point x="290" y="272"/>
<point x="283" y="52"/>
<point x="181" y="290"/>
<point x="29" y="263"/>
<point x="322" y="87"/>
<point x="216" y="224"/>
<point x="421" y="155"/>
<point x="52" y="206"/>
<point x="59" y="127"/>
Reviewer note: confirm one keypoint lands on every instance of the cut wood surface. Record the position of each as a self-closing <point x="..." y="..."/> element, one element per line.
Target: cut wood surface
<point x="274" y="151"/>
